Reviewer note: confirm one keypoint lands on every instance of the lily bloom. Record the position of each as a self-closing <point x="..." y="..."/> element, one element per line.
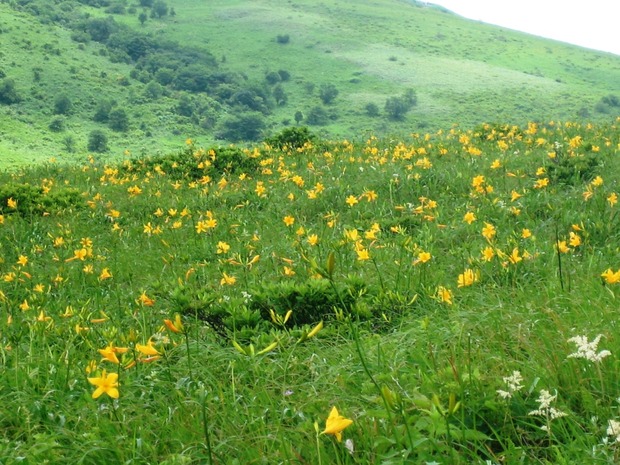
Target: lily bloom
<point x="106" y="384"/>
<point x="335" y="424"/>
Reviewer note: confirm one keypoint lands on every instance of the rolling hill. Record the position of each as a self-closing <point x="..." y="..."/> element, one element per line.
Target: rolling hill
<point x="233" y="70"/>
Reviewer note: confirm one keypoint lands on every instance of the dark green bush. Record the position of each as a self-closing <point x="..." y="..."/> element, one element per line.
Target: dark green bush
<point x="291" y="138"/>
<point x="311" y="301"/>
<point x="31" y="200"/>
<point x="573" y="170"/>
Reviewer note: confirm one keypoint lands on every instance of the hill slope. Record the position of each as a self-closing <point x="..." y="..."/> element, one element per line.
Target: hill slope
<point x="241" y="69"/>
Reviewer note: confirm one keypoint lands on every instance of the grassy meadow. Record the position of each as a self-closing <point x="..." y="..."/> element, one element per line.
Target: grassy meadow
<point x="451" y="294"/>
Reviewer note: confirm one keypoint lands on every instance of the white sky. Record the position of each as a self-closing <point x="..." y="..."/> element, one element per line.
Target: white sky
<point x="589" y="23"/>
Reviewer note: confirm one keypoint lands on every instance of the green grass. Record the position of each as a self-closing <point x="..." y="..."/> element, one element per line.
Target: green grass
<point x="462" y="71"/>
<point x="98" y="255"/>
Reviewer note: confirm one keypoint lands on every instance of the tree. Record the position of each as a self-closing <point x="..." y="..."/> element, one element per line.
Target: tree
<point x="153" y="90"/>
<point x="142" y="17"/>
<point x="396" y="108"/>
<point x="8" y="92"/>
<point x="97" y="141"/>
<point x="299" y="116"/>
<point x="160" y="9"/>
<point x="244" y="126"/>
<point x="283" y="38"/>
<point x="146" y="3"/>
<point x="273" y="78"/>
<point x="57" y="124"/>
<point x="62" y="105"/>
<point x="118" y="120"/>
<point x="317" y="116"/>
<point x="102" y="112"/>
<point x="372" y="110"/>
<point x="279" y="95"/>
<point x="328" y="93"/>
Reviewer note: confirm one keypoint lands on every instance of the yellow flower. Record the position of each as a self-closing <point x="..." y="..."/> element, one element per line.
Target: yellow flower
<point x="540" y="183"/>
<point x="488" y="232"/>
<point x="467" y="278"/>
<point x="106" y="384"/>
<point x="351" y="200"/>
<point x="487" y="254"/>
<point x="176" y="326"/>
<point x="562" y="247"/>
<point x="11" y="203"/>
<point x="145" y="300"/>
<point x="313" y="239"/>
<point x="79" y="254"/>
<point x="147" y="349"/>
<point x="574" y="240"/>
<point x="514" y="257"/>
<point x="336" y="423"/>
<point x="289" y="220"/>
<point x="371" y="195"/>
<point x="514" y="195"/>
<point x="597" y="181"/>
<point x="612" y="199"/>
<point x="105" y="274"/>
<point x="227" y="280"/>
<point x="469" y="218"/>
<point x="43" y="317"/>
<point x="222" y="247"/>
<point x="362" y="254"/>
<point x="526" y="233"/>
<point x="444" y="295"/>
<point x="610" y="277"/>
<point x="109" y="354"/>
<point x="423" y="257"/>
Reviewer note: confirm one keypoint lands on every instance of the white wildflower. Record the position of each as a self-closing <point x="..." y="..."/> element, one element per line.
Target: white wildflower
<point x="614" y="429"/>
<point x="513" y="384"/>
<point x="544" y="406"/>
<point x="587" y="349"/>
<point x="348" y="444"/>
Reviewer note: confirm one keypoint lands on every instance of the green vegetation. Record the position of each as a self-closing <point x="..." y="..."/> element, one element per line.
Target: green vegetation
<point x="447" y="297"/>
<point x="169" y="66"/>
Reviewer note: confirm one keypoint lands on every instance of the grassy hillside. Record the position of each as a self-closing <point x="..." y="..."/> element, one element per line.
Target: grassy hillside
<point x="461" y="72"/>
<point x="453" y="295"/>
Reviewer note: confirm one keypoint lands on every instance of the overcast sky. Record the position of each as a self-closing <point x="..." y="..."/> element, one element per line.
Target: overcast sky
<point x="588" y="23"/>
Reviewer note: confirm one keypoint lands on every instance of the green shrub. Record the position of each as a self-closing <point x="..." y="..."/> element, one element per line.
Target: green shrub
<point x="29" y="200"/>
<point x="311" y="301"/>
<point x="291" y="138"/>
<point x="97" y="141"/>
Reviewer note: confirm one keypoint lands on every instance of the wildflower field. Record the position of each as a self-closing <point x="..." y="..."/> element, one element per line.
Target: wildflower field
<point x="445" y="298"/>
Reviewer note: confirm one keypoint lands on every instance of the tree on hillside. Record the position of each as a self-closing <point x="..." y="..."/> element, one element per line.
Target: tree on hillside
<point x="8" y="92"/>
<point x="397" y="107"/>
<point x="159" y="10"/>
<point x="118" y="120"/>
<point x="142" y="17"/>
<point x="62" y="105"/>
<point x="372" y="109"/>
<point x="317" y="116"/>
<point x="102" y="112"/>
<point x="328" y="93"/>
<point x="97" y="141"/>
<point x="280" y="95"/>
<point x="244" y="126"/>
